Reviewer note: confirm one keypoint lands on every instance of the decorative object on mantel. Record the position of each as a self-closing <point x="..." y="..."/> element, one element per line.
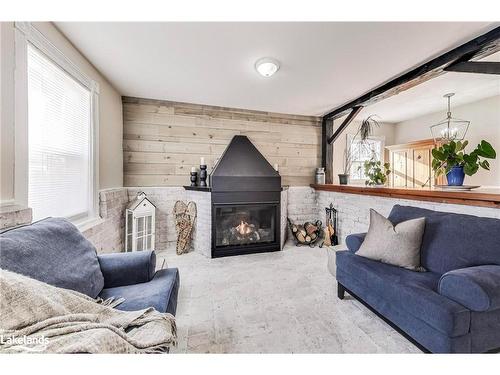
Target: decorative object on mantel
<point x="364" y="131"/>
<point x="343" y="178"/>
<point x="185" y="217"/>
<point x="320" y="176"/>
<point x="140" y="224"/>
<point x="450" y="159"/>
<point x="194" y="177"/>
<point x="449" y="129"/>
<point x="307" y="234"/>
<point x="376" y="173"/>
<point x="458" y="188"/>
<point x="331" y="237"/>
<point x="203" y="173"/>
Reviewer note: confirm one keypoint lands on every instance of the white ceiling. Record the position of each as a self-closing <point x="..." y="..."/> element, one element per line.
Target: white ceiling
<point x="428" y="96"/>
<point x="323" y="65"/>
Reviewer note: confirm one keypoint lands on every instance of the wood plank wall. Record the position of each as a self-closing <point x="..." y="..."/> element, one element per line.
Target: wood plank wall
<point x="162" y="140"/>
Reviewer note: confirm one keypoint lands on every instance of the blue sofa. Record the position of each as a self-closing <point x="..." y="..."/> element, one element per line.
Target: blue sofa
<point x="54" y="251"/>
<point x="453" y="307"/>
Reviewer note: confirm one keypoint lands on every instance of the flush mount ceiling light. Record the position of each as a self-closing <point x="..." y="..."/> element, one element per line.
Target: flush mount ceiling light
<point x="450" y="129"/>
<point x="267" y="66"/>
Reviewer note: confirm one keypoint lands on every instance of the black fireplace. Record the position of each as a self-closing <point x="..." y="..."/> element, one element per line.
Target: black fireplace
<point x="246" y="193"/>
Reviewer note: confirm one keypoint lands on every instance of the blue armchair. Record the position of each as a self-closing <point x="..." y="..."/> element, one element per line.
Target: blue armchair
<point x="55" y="252"/>
<point x="132" y="276"/>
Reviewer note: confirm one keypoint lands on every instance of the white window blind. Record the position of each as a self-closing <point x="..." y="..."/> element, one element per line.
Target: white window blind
<point x="59" y="140"/>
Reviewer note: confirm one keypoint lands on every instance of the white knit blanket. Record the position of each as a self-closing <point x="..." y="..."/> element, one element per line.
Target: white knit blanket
<point x="37" y="317"/>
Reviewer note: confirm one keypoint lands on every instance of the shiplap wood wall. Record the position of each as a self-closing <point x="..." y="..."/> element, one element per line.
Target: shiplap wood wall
<point x="163" y="140"/>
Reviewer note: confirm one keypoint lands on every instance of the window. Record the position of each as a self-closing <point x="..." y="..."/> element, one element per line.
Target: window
<point x="361" y="151"/>
<point x="60" y="142"/>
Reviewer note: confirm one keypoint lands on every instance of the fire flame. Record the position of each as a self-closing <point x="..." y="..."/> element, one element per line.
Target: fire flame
<point x="244" y="228"/>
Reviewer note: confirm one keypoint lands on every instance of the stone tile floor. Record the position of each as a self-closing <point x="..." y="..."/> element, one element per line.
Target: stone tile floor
<point x="281" y="302"/>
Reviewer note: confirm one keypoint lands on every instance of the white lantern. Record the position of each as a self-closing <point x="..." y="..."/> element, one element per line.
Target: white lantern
<point x="140" y="224"/>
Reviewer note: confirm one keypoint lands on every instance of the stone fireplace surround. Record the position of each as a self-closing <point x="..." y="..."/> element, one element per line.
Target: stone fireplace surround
<point x="108" y="236"/>
<point x="299" y="203"/>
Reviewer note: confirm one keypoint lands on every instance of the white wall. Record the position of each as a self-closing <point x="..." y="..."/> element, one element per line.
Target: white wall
<point x="385" y="130"/>
<point x="485" y="124"/>
<point x="110" y="106"/>
<point x="6" y="111"/>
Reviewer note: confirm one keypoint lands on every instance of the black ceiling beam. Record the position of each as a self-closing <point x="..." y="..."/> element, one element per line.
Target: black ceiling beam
<point x="475" y="49"/>
<point x="345" y="123"/>
<point x="327" y="152"/>
<point x="481" y="67"/>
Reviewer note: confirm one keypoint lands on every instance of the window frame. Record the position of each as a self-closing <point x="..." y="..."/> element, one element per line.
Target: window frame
<point x="381" y="139"/>
<point x="26" y="33"/>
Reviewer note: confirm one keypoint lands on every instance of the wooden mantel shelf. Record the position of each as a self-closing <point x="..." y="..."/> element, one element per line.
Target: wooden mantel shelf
<point x="483" y="197"/>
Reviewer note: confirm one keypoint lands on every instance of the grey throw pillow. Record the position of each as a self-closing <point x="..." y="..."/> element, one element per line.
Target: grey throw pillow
<point x="397" y="245"/>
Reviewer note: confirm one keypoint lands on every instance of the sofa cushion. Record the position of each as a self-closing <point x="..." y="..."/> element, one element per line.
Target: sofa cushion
<point x="413" y="293"/>
<point x="453" y="241"/>
<point x="354" y="241"/>
<point x="426" y="335"/>
<point x="477" y="288"/>
<point x="121" y="269"/>
<point x="160" y="293"/>
<point x="53" y="251"/>
<point x="398" y="245"/>
<point x="485" y="328"/>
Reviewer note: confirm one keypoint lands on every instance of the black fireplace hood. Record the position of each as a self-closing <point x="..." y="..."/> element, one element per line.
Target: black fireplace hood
<point x="243" y="168"/>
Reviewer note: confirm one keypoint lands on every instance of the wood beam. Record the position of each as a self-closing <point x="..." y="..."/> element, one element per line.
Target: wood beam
<point x="477" y="48"/>
<point x="344" y="124"/>
<point x="329" y="153"/>
<point x="324" y="142"/>
<point x="481" y="67"/>
<point x="327" y="149"/>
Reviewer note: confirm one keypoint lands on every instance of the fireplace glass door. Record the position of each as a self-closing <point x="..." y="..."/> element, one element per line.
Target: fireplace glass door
<point x="245" y="224"/>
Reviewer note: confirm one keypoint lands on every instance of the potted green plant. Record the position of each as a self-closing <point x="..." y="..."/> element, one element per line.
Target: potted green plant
<point x="344" y="177"/>
<point x="452" y="160"/>
<point x="376" y="172"/>
<point x="364" y="131"/>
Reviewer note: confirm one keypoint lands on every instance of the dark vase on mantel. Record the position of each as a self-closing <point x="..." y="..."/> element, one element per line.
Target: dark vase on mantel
<point x="343" y="179"/>
<point x="455" y="176"/>
<point x="203" y="175"/>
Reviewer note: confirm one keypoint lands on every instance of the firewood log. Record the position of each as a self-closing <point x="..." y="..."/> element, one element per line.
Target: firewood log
<point x="310" y="228"/>
<point x="300" y="237"/>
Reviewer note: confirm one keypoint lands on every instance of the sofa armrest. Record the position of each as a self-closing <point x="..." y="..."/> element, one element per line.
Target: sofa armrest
<point x="121" y="269"/>
<point x="354" y="241"/>
<point x="477" y="288"/>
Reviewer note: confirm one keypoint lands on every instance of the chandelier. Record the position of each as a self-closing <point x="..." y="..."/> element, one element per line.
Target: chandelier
<point x="449" y="129"/>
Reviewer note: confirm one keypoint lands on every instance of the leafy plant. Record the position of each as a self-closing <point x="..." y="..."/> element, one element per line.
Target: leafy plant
<point x="453" y="154"/>
<point x="376" y="172"/>
<point x="364" y="131"/>
<point x="347" y="159"/>
<point x="367" y="126"/>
